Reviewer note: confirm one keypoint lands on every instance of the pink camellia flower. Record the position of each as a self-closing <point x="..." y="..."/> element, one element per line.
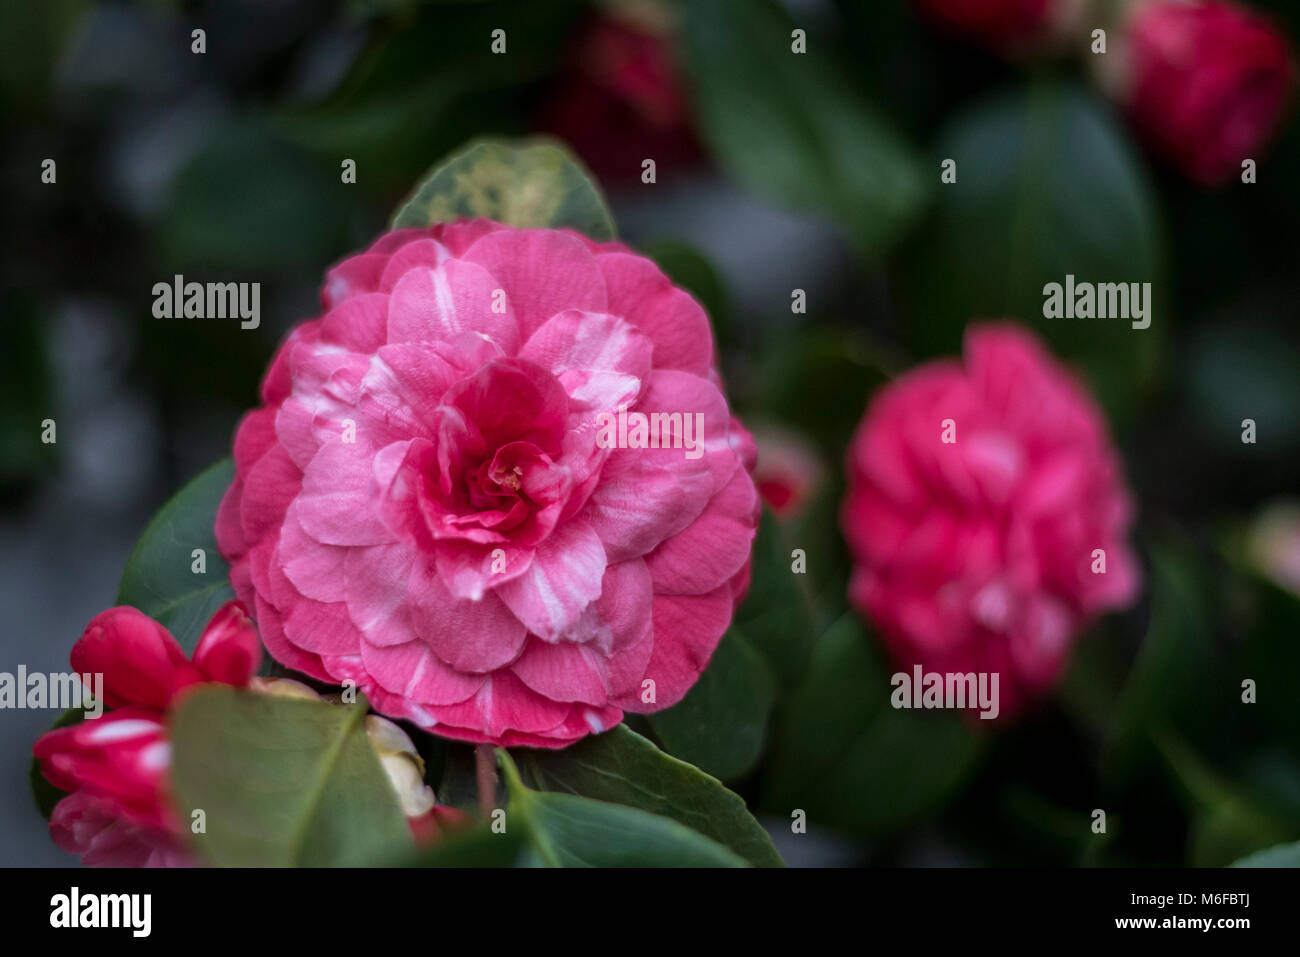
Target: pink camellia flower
<point x="115" y="767"/>
<point x="1001" y="24"/>
<point x="984" y="502"/>
<point x="433" y="503"/>
<point x="1205" y="83"/>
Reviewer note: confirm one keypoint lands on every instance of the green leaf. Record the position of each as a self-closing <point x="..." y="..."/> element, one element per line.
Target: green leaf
<point x="1244" y="364"/>
<point x="1231" y="829"/>
<point x="1284" y="855"/>
<point x="33" y="40"/>
<point x="777" y="614"/>
<point x="564" y="830"/>
<point x="289" y="211"/>
<point x="282" y="781"/>
<point x="621" y="767"/>
<point x="852" y="761"/>
<point x="721" y="724"/>
<point x="159" y="579"/>
<point x="1172" y="684"/>
<point x="1048" y="185"/>
<point x="792" y="128"/>
<point x="1271" y="656"/>
<point x="1228" y="822"/>
<point x="399" y="105"/>
<point x="819" y="381"/>
<point x="535" y="184"/>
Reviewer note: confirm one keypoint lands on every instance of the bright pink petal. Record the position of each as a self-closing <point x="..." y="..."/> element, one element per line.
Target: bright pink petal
<point x="335" y="506"/>
<point x="141" y="662"/>
<point x="229" y="650"/>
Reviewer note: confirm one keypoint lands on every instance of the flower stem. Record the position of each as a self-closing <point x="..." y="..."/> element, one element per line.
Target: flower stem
<point x="485" y="767"/>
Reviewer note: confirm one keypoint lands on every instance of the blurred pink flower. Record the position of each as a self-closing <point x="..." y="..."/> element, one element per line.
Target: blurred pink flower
<point x="619" y="98"/>
<point x="424" y="504"/>
<point x="1206" y="83"/>
<point x="979" y="494"/>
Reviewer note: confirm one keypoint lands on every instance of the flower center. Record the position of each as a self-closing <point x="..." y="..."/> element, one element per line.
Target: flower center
<point x="511" y="479"/>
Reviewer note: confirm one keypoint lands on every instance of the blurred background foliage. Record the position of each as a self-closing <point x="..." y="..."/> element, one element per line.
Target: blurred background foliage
<point x="817" y="173"/>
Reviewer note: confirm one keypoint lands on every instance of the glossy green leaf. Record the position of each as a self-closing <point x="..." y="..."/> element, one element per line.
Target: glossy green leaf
<point x="1171" y="680"/>
<point x="282" y="781"/>
<point x="1048" y="185"/>
<point x="793" y="128"/>
<point x="537" y="183"/>
<point x="621" y="767"/>
<point x="777" y="614"/>
<point x="819" y="382"/>
<point x="564" y="830"/>
<point x="721" y="724"/>
<point x="159" y="578"/>
<point x="849" y="759"/>
<point x="251" y="203"/>
<point x="1227" y="821"/>
<point x="398" y="106"/>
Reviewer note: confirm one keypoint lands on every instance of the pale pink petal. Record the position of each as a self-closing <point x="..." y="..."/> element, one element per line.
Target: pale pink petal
<point x="377" y="592"/>
<point x="564" y="671"/>
<point x="413" y="671"/>
<point x="314" y="569"/>
<point x="424" y="252"/>
<point x="714" y="547"/>
<point x="542" y="271"/>
<point x="359" y="323"/>
<point x="434" y="304"/>
<point x="470" y="636"/>
<point x="269" y="487"/>
<point x="642" y="294"/>
<point x="336" y="503"/>
<point x="563" y="578"/>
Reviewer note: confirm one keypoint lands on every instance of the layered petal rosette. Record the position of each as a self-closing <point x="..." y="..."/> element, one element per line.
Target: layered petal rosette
<point x="988" y="515"/>
<point x="428" y="504"/>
